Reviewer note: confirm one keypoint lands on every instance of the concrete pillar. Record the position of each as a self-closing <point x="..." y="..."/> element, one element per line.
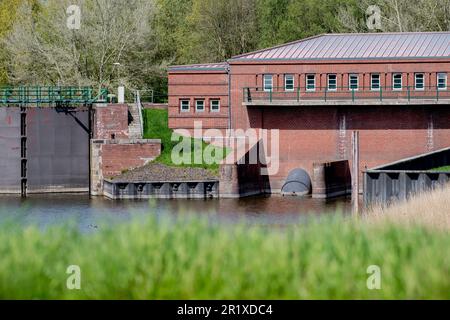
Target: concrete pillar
<point x="121" y="95"/>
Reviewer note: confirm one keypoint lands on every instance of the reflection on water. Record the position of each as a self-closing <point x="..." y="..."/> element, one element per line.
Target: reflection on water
<point x="45" y="210"/>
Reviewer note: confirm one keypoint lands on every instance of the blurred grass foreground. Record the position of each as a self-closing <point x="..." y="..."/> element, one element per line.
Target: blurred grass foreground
<point x="193" y="259"/>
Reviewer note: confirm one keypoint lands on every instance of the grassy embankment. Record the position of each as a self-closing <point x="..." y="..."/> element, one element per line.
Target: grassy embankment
<point x="197" y="260"/>
<point x="156" y="127"/>
<point x="441" y="169"/>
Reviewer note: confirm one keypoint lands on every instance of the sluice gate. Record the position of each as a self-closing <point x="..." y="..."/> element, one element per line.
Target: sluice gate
<point x="44" y="138"/>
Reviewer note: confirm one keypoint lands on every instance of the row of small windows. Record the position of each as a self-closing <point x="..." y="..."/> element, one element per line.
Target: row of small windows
<point x="214" y="105"/>
<point x="353" y="82"/>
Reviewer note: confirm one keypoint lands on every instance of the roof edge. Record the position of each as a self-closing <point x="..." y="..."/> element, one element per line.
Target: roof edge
<point x="220" y="66"/>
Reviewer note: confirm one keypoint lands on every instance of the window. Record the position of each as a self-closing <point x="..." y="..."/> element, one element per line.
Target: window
<point x="199" y="105"/>
<point x="332" y="82"/>
<point x="353" y="82"/>
<point x="397" y="81"/>
<point x="310" y="82"/>
<point x="419" y="83"/>
<point x="289" y="82"/>
<point x="185" y="105"/>
<point x="215" y="105"/>
<point x="268" y="82"/>
<point x="375" y="81"/>
<point x="442" y="81"/>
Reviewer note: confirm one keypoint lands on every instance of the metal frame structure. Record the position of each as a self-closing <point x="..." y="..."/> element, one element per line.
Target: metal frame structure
<point x="51" y="96"/>
<point x="62" y="99"/>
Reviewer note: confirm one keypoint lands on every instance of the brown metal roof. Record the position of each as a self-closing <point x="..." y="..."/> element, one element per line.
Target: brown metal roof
<point x="359" y="46"/>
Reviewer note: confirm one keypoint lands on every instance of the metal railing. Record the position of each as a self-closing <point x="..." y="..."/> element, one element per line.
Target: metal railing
<point x="254" y="94"/>
<point x="51" y="95"/>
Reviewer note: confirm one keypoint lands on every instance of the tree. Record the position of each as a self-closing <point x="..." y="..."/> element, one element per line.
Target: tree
<point x="8" y="10"/>
<point x="218" y="29"/>
<point x="400" y="15"/>
<point x="43" y="50"/>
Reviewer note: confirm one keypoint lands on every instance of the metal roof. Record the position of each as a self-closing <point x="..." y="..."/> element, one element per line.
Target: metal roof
<point x="222" y="66"/>
<point x="359" y="46"/>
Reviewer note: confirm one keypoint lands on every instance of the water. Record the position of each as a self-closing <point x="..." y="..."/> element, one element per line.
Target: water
<point x="91" y="214"/>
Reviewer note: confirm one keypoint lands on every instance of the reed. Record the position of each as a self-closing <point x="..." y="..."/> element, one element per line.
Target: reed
<point x="194" y="259"/>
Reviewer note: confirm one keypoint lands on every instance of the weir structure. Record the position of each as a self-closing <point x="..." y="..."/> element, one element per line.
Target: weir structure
<point x="64" y="100"/>
<point x="390" y="87"/>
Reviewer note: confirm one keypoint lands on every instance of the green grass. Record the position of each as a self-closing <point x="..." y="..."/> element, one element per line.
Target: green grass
<point x="156" y="127"/>
<point x="441" y="169"/>
<point x="194" y="260"/>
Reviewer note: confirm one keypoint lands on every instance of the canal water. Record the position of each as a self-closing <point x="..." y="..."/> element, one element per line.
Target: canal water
<point x="87" y="214"/>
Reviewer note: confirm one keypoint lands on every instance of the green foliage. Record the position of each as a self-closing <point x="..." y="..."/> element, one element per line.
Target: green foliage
<point x="441" y="169"/>
<point x="156" y="127"/>
<point x="147" y="36"/>
<point x="193" y="259"/>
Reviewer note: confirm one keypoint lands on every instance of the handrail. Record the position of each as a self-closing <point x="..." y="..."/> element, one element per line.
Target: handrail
<point x="139" y="106"/>
<point x="51" y="95"/>
<point x="380" y="93"/>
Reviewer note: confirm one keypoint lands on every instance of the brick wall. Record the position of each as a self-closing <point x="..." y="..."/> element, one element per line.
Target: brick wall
<point x="111" y="119"/>
<point x="111" y="157"/>
<point x="198" y="85"/>
<point x="251" y="75"/>
<point x="322" y="133"/>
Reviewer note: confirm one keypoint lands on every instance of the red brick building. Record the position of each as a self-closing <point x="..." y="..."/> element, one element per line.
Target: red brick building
<point x="392" y="87"/>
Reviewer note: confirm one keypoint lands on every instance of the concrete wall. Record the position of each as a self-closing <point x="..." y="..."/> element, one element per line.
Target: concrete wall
<point x="243" y="177"/>
<point x="109" y="158"/>
<point x="331" y="179"/>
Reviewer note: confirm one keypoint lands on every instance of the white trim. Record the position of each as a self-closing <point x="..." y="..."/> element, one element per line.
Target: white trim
<point x="371" y="82"/>
<point x="314" y="79"/>
<point x="181" y="105"/>
<point x="393" y="81"/>
<point x="328" y="82"/>
<point x="423" y="81"/>
<point x="285" y="82"/>
<point x="210" y="105"/>
<point x="271" y="82"/>
<point x="437" y="80"/>
<point x="350" y="83"/>
<point x="196" y="105"/>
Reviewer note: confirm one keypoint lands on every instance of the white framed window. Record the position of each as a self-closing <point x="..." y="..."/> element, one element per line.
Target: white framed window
<point x="199" y="105"/>
<point x="310" y="82"/>
<point x="441" y="81"/>
<point x="215" y="105"/>
<point x="185" y="105"/>
<point x="353" y="82"/>
<point x="268" y="82"/>
<point x="288" y="82"/>
<point x="332" y="82"/>
<point x="419" y="81"/>
<point x="375" y="83"/>
<point x="397" y="82"/>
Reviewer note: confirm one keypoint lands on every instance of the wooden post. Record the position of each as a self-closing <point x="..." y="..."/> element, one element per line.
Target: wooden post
<point x="355" y="172"/>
